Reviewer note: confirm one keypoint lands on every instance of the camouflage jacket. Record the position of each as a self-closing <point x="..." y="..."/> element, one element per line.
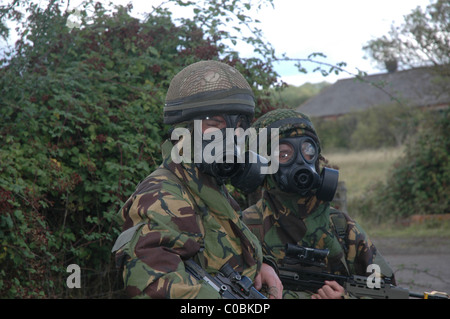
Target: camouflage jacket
<point x="182" y="214"/>
<point x="279" y="218"/>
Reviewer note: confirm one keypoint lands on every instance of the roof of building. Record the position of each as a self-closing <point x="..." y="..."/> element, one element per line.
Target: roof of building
<point x="413" y="87"/>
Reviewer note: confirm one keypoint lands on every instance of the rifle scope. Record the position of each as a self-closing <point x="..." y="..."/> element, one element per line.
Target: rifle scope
<point x="306" y="253"/>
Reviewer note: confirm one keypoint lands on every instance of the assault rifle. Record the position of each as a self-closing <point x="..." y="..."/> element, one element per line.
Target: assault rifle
<point x="228" y="282"/>
<point x="296" y="274"/>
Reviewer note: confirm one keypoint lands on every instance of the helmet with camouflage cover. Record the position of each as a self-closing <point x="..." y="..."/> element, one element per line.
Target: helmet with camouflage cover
<point x="205" y="88"/>
<point x="290" y="123"/>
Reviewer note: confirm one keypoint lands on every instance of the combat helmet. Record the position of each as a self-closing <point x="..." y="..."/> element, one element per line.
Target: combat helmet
<point x="290" y="123"/>
<point x="207" y="87"/>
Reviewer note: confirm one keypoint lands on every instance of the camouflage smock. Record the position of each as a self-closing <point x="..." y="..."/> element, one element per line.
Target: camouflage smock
<point x="185" y="214"/>
<point x="279" y="218"/>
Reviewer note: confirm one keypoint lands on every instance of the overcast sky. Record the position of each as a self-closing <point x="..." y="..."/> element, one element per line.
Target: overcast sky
<point x="336" y="28"/>
<point x="339" y="29"/>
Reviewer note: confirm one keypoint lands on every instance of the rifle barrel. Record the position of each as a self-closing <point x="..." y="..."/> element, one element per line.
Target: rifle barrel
<point x="416" y="294"/>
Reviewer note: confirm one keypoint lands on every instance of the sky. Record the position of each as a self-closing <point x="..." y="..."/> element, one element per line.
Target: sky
<point x="337" y="28"/>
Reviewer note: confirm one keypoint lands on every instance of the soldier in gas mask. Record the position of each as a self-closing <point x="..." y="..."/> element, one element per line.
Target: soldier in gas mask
<point x="295" y="206"/>
<point x="182" y="211"/>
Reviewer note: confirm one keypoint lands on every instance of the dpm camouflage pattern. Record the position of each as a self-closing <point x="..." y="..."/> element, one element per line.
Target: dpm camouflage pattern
<point x="186" y="215"/>
<point x="279" y="218"/>
<point x="313" y="224"/>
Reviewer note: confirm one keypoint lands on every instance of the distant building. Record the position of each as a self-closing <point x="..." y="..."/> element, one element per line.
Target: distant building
<point x="418" y="87"/>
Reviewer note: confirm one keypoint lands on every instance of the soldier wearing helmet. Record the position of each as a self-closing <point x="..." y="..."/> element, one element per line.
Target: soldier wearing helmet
<point x="295" y="207"/>
<point x="182" y="210"/>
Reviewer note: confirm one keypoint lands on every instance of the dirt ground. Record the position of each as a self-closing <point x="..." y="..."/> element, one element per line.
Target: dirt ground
<point x="420" y="264"/>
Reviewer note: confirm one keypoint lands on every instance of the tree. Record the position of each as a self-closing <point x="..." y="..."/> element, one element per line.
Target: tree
<point x="293" y="96"/>
<point x="422" y="40"/>
<point x="418" y="183"/>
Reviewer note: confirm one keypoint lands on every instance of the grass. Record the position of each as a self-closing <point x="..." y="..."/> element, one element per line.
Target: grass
<point x="361" y="169"/>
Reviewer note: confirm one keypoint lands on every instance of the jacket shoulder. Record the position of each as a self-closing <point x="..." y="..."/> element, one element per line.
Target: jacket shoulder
<point x="253" y="215"/>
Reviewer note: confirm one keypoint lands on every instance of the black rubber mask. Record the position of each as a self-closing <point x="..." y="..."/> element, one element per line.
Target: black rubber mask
<point x="297" y="172"/>
<point x="224" y="158"/>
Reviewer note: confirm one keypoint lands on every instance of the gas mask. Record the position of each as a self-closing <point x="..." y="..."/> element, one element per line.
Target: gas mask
<point x="297" y="172"/>
<point x="221" y="153"/>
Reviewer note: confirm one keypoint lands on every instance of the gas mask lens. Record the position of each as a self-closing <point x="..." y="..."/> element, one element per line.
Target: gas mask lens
<point x="288" y="153"/>
<point x="308" y="150"/>
<point x="237" y="121"/>
<point x="225" y="121"/>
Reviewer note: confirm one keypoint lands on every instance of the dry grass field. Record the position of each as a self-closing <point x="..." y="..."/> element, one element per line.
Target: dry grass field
<point x="360" y="169"/>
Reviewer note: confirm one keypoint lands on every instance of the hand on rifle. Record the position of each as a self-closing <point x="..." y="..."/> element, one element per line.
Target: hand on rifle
<point x="269" y="277"/>
<point x="331" y="290"/>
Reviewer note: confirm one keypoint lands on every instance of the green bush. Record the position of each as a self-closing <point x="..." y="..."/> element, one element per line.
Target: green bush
<point x="336" y="134"/>
<point x="377" y="127"/>
<point x="76" y="138"/>
<point x="81" y="125"/>
<point x="419" y="181"/>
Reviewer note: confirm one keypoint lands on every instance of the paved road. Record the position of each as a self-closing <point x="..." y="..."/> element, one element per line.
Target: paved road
<point x="420" y="264"/>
